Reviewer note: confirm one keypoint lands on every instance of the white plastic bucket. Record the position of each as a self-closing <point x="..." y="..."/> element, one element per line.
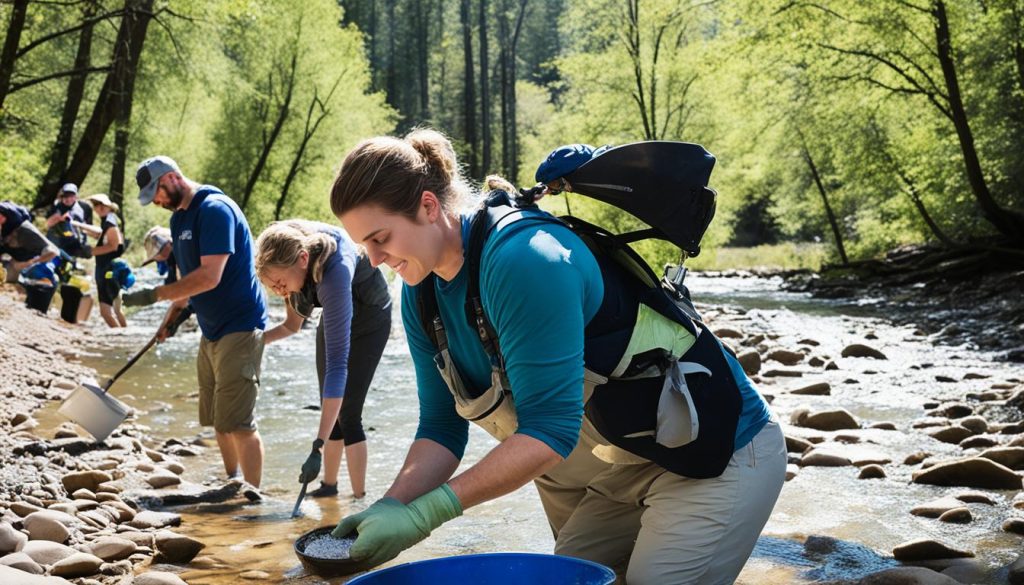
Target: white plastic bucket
<point x="94" y="410"/>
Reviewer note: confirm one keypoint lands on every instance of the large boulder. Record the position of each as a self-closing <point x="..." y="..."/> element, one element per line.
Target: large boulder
<point x="77" y="565"/>
<point x="22" y="562"/>
<point x="924" y="549"/>
<point x="864" y="351"/>
<point x="158" y="578"/>
<point x="15" y="576"/>
<point x="976" y="472"/>
<point x="936" y="508"/>
<point x="176" y="548"/>
<point x="45" y="552"/>
<point x="750" y="361"/>
<point x="1012" y="457"/>
<point x="84" y="479"/>
<point x="11" y="540"/>
<point x="785" y="356"/>
<point x="829" y="420"/>
<point x="49" y="525"/>
<point x="151" y="519"/>
<point x="113" y="548"/>
<point x="907" y="576"/>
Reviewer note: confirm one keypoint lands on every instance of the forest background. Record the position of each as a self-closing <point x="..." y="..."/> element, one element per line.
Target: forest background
<point x="842" y="128"/>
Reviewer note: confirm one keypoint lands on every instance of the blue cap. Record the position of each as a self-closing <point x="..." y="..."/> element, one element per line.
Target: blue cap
<point x="562" y="161"/>
<point x="148" y="175"/>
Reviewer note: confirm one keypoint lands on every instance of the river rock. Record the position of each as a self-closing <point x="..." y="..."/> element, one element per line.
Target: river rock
<point x="22" y="562"/>
<point x="49" y="525"/>
<point x="750" y="361"/>
<point x="46" y="552"/>
<point x="961" y="515"/>
<point x="176" y="548"/>
<point x="924" y="549"/>
<point x="255" y="575"/>
<point x="17" y="577"/>
<point x="785" y="356"/>
<point x="151" y="519"/>
<point x="954" y="410"/>
<point x="975" y="498"/>
<point x="824" y="458"/>
<point x="778" y="373"/>
<point x="1014" y="525"/>
<point x="174" y="467"/>
<point x="24" y="508"/>
<point x="872" y="471"/>
<point x="976" y="423"/>
<point x="791" y="471"/>
<point x="818" y="389"/>
<point x="978" y="442"/>
<point x="84" y="479"/>
<point x="163" y="478"/>
<point x="883" y="426"/>
<point x="864" y="351"/>
<point x="11" y="540"/>
<point x="727" y="333"/>
<point x="916" y="458"/>
<point x="936" y="508"/>
<point x="908" y="576"/>
<point x="79" y="564"/>
<point x="83" y="494"/>
<point x="976" y="472"/>
<point x="829" y="420"/>
<point x="113" y="548"/>
<point x="158" y="578"/>
<point x="1012" y="457"/>
<point x="953" y="434"/>
<point x="797" y="445"/>
<point x="121" y="511"/>
<point x="1015" y="572"/>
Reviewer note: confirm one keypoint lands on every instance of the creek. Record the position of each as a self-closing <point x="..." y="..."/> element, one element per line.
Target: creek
<point x="868" y="517"/>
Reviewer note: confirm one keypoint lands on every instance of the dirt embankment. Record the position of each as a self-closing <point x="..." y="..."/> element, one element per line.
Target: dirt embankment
<point x="71" y="510"/>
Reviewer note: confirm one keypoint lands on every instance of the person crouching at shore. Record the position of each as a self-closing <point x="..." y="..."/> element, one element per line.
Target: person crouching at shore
<point x="317" y="265"/>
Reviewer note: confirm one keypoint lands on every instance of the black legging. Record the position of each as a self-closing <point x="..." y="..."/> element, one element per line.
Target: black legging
<point x="371" y="327"/>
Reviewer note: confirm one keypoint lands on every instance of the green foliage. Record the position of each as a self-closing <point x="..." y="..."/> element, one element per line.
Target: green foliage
<point x="769" y="87"/>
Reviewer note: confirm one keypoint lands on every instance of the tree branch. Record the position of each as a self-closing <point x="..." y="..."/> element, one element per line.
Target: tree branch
<point x="25" y="84"/>
<point x="49" y="37"/>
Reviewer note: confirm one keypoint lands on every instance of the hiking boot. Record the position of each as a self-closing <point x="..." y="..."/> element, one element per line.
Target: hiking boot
<point x="325" y="490"/>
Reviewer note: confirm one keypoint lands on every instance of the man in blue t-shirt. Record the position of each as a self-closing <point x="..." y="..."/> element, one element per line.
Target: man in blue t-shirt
<point x="212" y="246"/>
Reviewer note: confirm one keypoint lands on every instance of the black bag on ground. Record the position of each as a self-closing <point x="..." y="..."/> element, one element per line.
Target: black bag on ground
<point x="71" y="300"/>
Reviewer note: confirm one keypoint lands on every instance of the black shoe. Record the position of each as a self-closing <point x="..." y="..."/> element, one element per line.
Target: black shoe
<point x="325" y="490"/>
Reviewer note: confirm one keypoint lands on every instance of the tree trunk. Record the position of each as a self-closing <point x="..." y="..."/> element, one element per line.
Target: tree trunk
<point x="469" y="97"/>
<point x="110" y="104"/>
<point x="503" y="48"/>
<point x="72" y="104"/>
<point x="9" y="55"/>
<point x="513" y="139"/>
<point x="283" y="110"/>
<point x="390" y="75"/>
<point x="485" y="91"/>
<point x="423" y="58"/>
<point x="632" y="40"/>
<point x="308" y="131"/>
<point x="828" y="207"/>
<point x="915" y="196"/>
<point x="1009" y="223"/>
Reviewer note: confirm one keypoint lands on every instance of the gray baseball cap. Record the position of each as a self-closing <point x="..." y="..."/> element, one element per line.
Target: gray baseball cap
<point x="149" y="174"/>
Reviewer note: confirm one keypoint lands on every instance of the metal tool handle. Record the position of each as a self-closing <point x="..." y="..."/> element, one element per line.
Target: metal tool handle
<point x="178" y="320"/>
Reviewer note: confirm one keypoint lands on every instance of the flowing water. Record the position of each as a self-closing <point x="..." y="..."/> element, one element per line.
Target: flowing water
<point x="819" y="501"/>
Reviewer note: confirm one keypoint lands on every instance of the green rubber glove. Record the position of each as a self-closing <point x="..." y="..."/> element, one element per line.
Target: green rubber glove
<point x="311" y="468"/>
<point x="388" y="526"/>
<point x="139" y="298"/>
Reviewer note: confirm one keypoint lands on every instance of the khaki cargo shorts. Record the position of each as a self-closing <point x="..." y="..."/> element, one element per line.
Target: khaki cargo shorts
<point x="229" y="380"/>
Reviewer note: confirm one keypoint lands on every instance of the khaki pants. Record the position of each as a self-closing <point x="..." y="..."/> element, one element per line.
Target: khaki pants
<point x="229" y="380"/>
<point x="654" y="527"/>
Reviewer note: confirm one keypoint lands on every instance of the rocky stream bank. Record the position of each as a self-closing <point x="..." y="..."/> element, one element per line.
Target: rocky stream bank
<point x="72" y="511"/>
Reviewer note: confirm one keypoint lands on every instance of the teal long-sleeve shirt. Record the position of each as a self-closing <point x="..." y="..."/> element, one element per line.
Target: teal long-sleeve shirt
<point x="540" y="285"/>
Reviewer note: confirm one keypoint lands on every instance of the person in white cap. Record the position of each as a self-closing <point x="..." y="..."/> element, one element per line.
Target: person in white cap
<point x="157" y="243"/>
<point x="67" y="209"/>
<point x="213" y="249"/>
<point x="109" y="245"/>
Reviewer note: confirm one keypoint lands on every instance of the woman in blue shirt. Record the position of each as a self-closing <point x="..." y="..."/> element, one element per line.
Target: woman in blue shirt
<point x="540" y="287"/>
<point x="317" y="265"/>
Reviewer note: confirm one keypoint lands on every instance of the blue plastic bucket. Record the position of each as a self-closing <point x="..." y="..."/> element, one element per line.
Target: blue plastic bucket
<point x="493" y="569"/>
